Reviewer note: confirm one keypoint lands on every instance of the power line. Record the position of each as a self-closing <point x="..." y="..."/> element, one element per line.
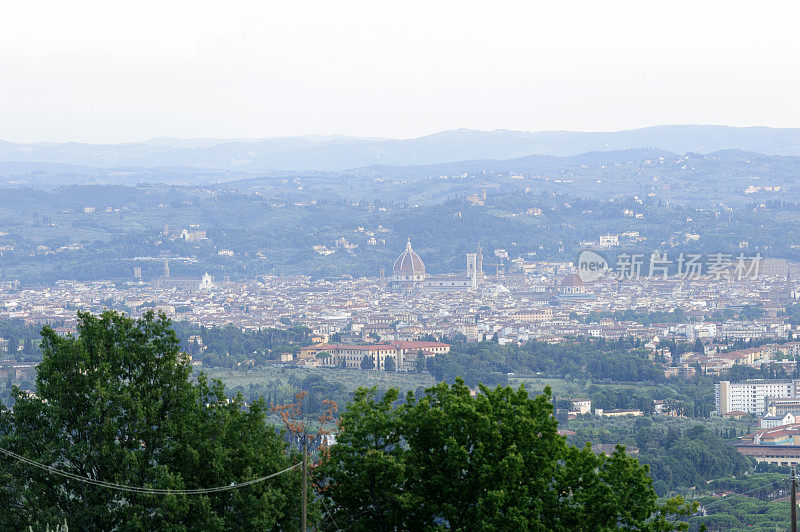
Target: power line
<point x="780" y="484"/>
<point x="138" y="489"/>
<point x="771" y="484"/>
<point x="753" y="516"/>
<point x="325" y="506"/>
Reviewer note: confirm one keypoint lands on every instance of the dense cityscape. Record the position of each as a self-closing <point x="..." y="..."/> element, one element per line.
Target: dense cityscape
<point x="365" y="267"/>
<point x="721" y="316"/>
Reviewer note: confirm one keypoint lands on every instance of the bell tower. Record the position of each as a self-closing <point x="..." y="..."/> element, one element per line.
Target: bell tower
<point x="479" y="265"/>
<point x="472" y="270"/>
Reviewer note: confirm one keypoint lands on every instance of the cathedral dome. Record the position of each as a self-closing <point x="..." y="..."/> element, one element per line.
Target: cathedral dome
<point x="572" y="284"/>
<point x="409" y="263"/>
<point x="572" y="280"/>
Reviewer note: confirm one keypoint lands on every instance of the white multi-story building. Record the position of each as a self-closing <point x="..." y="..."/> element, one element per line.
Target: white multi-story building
<point x="749" y="395"/>
<point x="608" y="241"/>
<point x="744" y="330"/>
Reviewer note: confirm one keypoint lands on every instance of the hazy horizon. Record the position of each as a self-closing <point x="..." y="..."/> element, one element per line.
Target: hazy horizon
<point x="328" y="136"/>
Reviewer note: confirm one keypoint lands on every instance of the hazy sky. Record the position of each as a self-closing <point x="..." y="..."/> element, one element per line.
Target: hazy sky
<point x="113" y="71"/>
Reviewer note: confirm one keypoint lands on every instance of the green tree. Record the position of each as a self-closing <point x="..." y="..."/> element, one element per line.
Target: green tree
<point x="13" y="345"/>
<point x="28" y="348"/>
<point x="421" y="365"/>
<point x="698" y="346"/>
<point x="115" y="403"/>
<point x="367" y="362"/>
<point x="389" y="364"/>
<point x="448" y="460"/>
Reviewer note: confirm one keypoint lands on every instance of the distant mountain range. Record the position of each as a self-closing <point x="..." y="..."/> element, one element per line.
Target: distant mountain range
<point x="334" y="153"/>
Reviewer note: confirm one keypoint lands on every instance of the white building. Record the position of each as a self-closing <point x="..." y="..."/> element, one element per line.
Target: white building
<point x="743" y="330"/>
<point x="769" y="422"/>
<point x="749" y="395"/>
<point x="581" y="406"/>
<point x="206" y="282"/>
<point x="608" y="241"/>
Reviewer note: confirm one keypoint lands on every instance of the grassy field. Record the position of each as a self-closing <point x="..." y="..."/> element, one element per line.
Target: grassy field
<point x="563" y="387"/>
<point x="279" y="384"/>
<point x="349" y="378"/>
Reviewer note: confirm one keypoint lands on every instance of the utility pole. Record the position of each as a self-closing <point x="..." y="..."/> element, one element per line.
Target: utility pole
<point x="305" y="483"/>
<point x="794" y="501"/>
<point x="304" y="516"/>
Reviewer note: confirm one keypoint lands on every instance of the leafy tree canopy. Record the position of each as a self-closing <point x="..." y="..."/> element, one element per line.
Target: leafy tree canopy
<point x="494" y="461"/>
<point x="115" y="403"/>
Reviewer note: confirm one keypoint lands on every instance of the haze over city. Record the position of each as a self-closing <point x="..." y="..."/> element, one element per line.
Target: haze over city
<point x="399" y="266"/>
